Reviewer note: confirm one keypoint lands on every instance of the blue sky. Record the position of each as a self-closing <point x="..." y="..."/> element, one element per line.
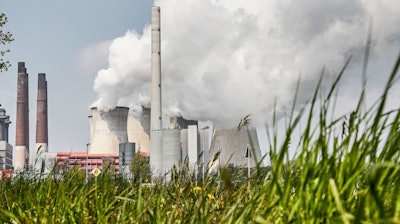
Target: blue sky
<point x="50" y="37"/>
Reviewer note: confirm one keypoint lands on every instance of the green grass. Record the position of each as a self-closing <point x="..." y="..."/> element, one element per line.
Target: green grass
<point x="346" y="171"/>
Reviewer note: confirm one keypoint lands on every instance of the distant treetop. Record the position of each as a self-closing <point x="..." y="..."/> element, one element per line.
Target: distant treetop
<point x="5" y="38"/>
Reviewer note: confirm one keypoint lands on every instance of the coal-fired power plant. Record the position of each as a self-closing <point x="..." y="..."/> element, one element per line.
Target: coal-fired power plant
<point x="117" y="135"/>
<point x="41" y="116"/>
<point x="156" y="160"/>
<point x="21" y="151"/>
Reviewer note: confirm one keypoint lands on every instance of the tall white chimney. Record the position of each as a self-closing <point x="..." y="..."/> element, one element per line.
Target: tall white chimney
<point x="156" y="123"/>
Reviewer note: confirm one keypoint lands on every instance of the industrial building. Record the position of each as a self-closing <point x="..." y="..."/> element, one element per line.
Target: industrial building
<point x="170" y="141"/>
<point x="6" y="154"/>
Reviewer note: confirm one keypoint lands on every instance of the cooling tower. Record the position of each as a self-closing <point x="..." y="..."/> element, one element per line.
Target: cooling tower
<point x="156" y="121"/>
<point x="139" y="130"/>
<point x="171" y="155"/>
<point x="41" y="116"/>
<point x="107" y="130"/>
<point x="233" y="144"/>
<point x="22" y="120"/>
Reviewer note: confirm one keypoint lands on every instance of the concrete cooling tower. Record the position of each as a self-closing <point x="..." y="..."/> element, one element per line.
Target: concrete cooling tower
<point x="107" y="130"/>
<point x="139" y="130"/>
<point x="233" y="144"/>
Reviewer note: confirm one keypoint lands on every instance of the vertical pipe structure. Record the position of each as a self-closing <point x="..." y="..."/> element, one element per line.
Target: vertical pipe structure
<point x="27" y="120"/>
<point x="22" y="128"/>
<point x="156" y="122"/>
<point x="41" y="116"/>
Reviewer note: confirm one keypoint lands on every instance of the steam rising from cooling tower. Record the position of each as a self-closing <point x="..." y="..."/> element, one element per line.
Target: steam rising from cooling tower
<point x="229" y="58"/>
<point x="21" y="152"/>
<point x="41" y="116"/>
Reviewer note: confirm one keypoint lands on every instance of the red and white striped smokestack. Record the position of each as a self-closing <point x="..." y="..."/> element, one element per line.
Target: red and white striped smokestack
<point x="22" y="127"/>
<point x="41" y="116"/>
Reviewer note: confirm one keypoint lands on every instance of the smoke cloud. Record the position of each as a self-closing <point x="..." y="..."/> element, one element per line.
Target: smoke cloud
<point x="223" y="59"/>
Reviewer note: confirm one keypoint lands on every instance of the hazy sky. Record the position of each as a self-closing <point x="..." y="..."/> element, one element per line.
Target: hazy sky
<point x="221" y="59"/>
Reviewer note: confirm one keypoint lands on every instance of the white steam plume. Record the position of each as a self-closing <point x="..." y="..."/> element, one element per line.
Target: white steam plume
<point x="223" y="59"/>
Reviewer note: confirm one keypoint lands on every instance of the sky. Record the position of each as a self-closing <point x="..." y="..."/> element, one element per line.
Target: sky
<point x="221" y="59"/>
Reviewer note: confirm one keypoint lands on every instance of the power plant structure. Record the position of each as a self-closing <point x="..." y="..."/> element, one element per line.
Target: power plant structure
<point x="41" y="159"/>
<point x="6" y="154"/>
<point x="235" y="146"/>
<point x="21" y="152"/>
<point x="156" y="150"/>
<point x="23" y="158"/>
<point x="165" y="143"/>
<point x="41" y="116"/>
<point x="116" y="135"/>
<point x="139" y="130"/>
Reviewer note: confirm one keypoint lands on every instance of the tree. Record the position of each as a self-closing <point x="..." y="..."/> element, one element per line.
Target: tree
<point x="5" y="38"/>
<point x="140" y="168"/>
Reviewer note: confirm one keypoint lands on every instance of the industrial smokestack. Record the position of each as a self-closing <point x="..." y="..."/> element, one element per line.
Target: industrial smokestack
<point x="21" y="152"/>
<point x="156" y="122"/>
<point x="41" y="116"/>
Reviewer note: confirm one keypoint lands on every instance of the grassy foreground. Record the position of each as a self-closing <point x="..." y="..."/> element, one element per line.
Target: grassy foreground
<point x="346" y="171"/>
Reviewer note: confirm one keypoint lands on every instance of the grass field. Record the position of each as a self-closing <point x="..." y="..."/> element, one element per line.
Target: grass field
<point x="346" y="171"/>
